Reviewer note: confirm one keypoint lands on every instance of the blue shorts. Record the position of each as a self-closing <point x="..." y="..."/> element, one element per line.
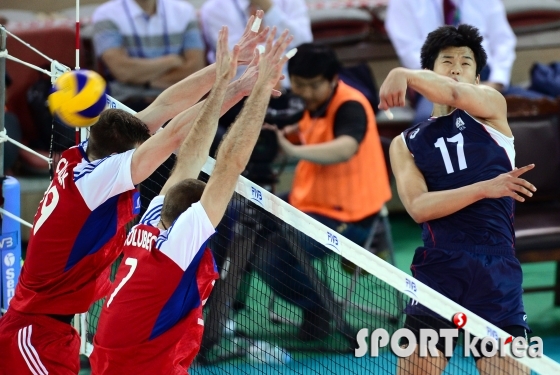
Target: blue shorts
<point x="487" y="285"/>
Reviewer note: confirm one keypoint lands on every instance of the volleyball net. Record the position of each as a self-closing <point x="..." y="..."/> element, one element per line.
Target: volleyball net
<point x="290" y="294"/>
<point x="281" y="270"/>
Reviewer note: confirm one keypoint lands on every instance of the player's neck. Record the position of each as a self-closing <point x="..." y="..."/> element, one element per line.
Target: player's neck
<point x="91" y="156"/>
<point x="442" y="110"/>
<point x="148" y="6"/>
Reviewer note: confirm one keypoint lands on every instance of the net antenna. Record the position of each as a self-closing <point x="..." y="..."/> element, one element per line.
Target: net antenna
<point x="80" y="135"/>
<point x="77" y="35"/>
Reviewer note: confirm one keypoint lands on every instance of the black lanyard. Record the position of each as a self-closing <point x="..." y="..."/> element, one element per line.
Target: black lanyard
<point x="137" y="39"/>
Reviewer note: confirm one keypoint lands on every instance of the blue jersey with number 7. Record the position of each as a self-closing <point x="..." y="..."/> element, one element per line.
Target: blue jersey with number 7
<point x="453" y="151"/>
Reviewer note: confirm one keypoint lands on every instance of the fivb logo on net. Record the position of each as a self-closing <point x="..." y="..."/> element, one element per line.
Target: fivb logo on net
<point x="428" y="338"/>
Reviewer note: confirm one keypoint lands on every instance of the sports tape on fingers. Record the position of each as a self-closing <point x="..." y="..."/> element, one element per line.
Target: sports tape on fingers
<point x="389" y="114"/>
<point x="291" y="53"/>
<point x="261" y="49"/>
<point x="256" y="25"/>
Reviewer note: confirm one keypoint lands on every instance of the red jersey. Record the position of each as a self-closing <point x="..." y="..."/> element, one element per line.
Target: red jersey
<point x="152" y="317"/>
<point x="77" y="233"/>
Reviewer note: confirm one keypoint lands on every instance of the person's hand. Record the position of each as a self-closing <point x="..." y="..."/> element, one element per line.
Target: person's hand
<point x="290" y="129"/>
<point x="392" y="92"/>
<point x="495" y="85"/>
<point x="226" y="61"/>
<point x="250" y="39"/>
<point x="273" y="59"/>
<point x="510" y="185"/>
<point x="283" y="142"/>
<point x="250" y="75"/>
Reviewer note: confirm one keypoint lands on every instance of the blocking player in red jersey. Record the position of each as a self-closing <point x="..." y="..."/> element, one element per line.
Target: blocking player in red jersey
<point x="151" y="321"/>
<point x="79" y="227"/>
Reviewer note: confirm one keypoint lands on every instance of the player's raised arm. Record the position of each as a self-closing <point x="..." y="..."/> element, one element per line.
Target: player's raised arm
<point x="195" y="148"/>
<point x="423" y="205"/>
<point x="190" y="90"/>
<point x="238" y="144"/>
<point x="479" y="100"/>
<point x="450" y="78"/>
<point x="157" y="149"/>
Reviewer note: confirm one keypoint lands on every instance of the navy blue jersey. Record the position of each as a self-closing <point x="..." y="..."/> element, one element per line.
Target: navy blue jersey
<point x="454" y="151"/>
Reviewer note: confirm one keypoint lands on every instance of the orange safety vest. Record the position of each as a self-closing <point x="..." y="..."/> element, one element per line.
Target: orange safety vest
<point x="347" y="191"/>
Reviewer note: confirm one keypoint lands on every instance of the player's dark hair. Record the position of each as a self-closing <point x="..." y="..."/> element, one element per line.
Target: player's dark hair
<point x="179" y="198"/>
<point x="451" y="36"/>
<point x="312" y="60"/>
<point x="116" y="131"/>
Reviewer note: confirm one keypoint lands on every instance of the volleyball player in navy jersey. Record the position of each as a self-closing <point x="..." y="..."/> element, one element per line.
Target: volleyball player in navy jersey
<point x="456" y="176"/>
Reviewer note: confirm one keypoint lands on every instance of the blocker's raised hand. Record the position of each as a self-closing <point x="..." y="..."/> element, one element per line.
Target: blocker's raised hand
<point x="273" y="59"/>
<point x="250" y="39"/>
<point x="226" y="61"/>
<point x="250" y="75"/>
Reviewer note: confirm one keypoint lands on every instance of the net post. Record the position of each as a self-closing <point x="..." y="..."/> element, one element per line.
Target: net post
<point x="2" y="92"/>
<point x="10" y="242"/>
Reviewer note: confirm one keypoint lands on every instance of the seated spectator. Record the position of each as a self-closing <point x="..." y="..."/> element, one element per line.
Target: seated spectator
<point x="284" y="14"/>
<point x="341" y="179"/>
<point x="408" y="23"/>
<point x="147" y="46"/>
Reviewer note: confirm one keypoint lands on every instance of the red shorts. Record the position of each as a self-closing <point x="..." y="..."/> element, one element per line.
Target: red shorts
<point x="33" y="344"/>
<point x="134" y="359"/>
<point x="163" y="355"/>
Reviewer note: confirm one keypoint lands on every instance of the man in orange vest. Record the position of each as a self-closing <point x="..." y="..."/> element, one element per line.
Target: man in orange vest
<point x="341" y="179"/>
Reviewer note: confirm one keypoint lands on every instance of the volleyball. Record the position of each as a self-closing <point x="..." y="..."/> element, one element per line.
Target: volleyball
<point x="78" y="98"/>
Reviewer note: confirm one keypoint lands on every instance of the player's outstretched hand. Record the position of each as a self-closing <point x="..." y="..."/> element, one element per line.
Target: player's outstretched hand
<point x="392" y="92"/>
<point x="251" y="38"/>
<point x="273" y="59"/>
<point x="226" y="61"/>
<point x="250" y="75"/>
<point x="510" y="185"/>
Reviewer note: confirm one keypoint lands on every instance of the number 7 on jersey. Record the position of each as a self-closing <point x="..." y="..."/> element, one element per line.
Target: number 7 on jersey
<point x="132" y="262"/>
